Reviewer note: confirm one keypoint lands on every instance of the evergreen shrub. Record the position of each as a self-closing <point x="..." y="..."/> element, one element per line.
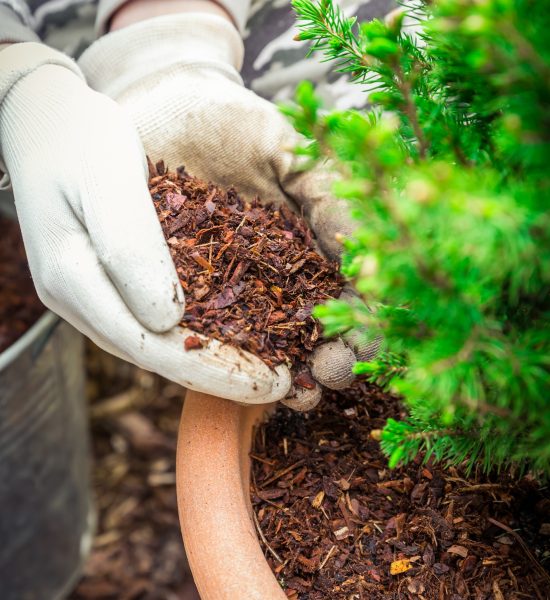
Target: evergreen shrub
<point x="448" y="175"/>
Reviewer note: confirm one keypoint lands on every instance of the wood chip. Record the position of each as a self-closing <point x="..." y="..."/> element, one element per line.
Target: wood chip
<point x="400" y="566"/>
<point x="497" y="591"/>
<point x="460" y="550"/>
<point x="318" y="500"/>
<point x="193" y="342"/>
<point x="343" y="484"/>
<point x="341" y="533"/>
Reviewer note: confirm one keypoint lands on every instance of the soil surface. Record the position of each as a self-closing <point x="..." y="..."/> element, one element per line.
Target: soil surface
<point x="19" y="304"/>
<point x="250" y="272"/>
<point x="137" y="552"/>
<point x="338" y="524"/>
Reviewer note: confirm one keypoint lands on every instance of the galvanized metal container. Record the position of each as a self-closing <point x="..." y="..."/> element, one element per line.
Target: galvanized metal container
<point x="46" y="519"/>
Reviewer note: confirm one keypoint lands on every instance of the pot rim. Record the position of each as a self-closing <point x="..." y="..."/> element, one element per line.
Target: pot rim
<point x="212" y="482"/>
<point x="43" y="326"/>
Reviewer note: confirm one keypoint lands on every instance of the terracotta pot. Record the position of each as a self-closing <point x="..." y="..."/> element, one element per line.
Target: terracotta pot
<point x="212" y="471"/>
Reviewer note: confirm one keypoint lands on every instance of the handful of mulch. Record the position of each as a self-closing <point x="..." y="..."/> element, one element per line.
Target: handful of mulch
<point x="249" y="270"/>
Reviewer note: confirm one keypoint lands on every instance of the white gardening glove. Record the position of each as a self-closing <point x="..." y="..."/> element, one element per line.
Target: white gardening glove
<point x="94" y="244"/>
<point x="177" y="77"/>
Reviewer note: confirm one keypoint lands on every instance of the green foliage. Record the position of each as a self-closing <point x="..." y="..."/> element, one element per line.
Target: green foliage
<point x="447" y="175"/>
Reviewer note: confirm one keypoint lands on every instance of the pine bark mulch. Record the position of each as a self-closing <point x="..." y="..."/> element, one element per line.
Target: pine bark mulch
<point x="338" y="524"/>
<point x="249" y="270"/>
<point x="20" y="306"/>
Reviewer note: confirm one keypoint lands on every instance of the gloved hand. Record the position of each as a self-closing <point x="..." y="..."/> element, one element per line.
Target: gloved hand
<point x="177" y="77"/>
<point x="94" y="244"/>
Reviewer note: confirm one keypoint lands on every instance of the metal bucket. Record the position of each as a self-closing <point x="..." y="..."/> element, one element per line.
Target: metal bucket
<point x="46" y="519"/>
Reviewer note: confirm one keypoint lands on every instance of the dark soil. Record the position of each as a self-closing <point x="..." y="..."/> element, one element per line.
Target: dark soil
<point x="341" y="525"/>
<point x="137" y="552"/>
<point x="19" y="304"/>
<point x="250" y="272"/>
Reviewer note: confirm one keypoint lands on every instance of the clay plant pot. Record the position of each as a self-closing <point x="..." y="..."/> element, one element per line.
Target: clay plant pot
<point x="212" y="471"/>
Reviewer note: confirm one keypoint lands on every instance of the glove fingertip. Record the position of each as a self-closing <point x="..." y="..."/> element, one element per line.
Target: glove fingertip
<point x="209" y="366"/>
<point x="162" y="313"/>
<point x="332" y="365"/>
<point x="365" y="349"/>
<point x="302" y="399"/>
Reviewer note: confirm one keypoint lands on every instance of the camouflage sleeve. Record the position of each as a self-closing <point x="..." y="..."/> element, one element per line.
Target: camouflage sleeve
<point x="16" y="22"/>
<point x="238" y="9"/>
<point x="275" y="63"/>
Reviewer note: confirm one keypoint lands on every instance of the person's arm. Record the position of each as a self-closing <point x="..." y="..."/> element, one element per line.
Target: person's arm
<point x="116" y="14"/>
<point x="135" y="11"/>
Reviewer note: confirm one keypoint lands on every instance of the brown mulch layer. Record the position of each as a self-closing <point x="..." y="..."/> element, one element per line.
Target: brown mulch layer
<point x="249" y="270"/>
<point x="19" y="304"/>
<point x="137" y="551"/>
<point x="338" y="523"/>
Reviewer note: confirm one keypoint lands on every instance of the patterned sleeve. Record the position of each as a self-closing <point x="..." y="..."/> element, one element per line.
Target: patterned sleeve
<point x="50" y="20"/>
<point x="238" y="9"/>
<point x="16" y="22"/>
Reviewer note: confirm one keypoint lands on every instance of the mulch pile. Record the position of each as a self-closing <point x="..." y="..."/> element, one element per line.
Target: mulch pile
<point x="250" y="272"/>
<point x="337" y="523"/>
<point x="19" y="304"/>
<point x="137" y="552"/>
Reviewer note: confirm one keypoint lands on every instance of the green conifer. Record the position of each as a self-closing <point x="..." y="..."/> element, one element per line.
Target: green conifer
<point x="448" y="176"/>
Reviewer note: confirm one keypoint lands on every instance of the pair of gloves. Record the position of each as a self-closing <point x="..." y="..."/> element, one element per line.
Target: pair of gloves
<point x="73" y="141"/>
